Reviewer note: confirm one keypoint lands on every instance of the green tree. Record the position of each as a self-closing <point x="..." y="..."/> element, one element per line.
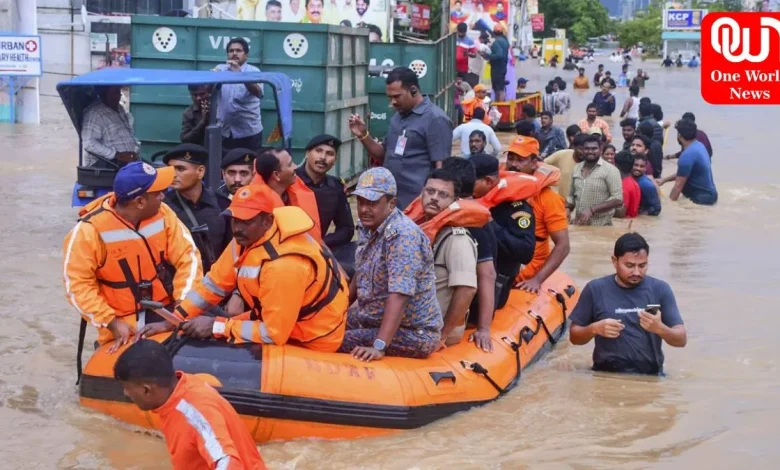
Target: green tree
<point x="580" y="18"/>
<point x="645" y="27"/>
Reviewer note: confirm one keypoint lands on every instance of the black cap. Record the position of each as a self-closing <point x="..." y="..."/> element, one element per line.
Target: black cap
<point x="192" y="153"/>
<point x="484" y="164"/>
<point x="238" y="156"/>
<point x="323" y="139"/>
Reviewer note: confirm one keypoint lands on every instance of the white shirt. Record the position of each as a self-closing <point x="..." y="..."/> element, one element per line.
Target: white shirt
<point x="463" y="132"/>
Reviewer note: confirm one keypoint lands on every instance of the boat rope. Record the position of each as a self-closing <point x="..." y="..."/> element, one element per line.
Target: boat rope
<point x="479" y="369"/>
<point x="80" y="349"/>
<point x="174" y="342"/>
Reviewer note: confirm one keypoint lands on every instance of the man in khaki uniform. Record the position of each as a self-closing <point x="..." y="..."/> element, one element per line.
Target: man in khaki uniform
<point x="454" y="252"/>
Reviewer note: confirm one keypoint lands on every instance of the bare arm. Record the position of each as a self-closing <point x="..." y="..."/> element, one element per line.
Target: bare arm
<point x="607" y="206"/>
<point x="675" y="336"/>
<point x="580" y="335"/>
<point x="679" y="183"/>
<point x="461" y="299"/>
<point x="559" y="253"/>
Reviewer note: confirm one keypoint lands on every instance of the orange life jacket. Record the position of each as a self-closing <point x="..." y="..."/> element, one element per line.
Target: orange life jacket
<point x="470" y="105"/>
<point x="547" y="174"/>
<point x="135" y="258"/>
<point x="512" y="186"/>
<point x="302" y="196"/>
<point x="322" y="318"/>
<point x="461" y="213"/>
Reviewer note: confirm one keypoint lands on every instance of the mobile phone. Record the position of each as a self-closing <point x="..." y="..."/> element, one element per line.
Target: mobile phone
<point x="652" y="308"/>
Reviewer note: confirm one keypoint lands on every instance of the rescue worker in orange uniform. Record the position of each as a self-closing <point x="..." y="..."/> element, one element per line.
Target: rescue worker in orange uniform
<point x="128" y="247"/>
<point x="476" y="101"/>
<point x="293" y="285"/>
<point x="549" y="214"/>
<point x="275" y="167"/>
<point x="201" y="429"/>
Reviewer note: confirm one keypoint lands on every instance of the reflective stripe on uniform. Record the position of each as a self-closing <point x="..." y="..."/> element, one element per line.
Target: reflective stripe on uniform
<point x="204" y="429"/>
<point x="153" y="229"/>
<point x="198" y="301"/>
<point x="68" y="293"/>
<point x="119" y="235"/>
<point x="212" y="286"/>
<point x="264" y="334"/>
<point x="126" y="234"/>
<point x="224" y="463"/>
<point x="194" y="261"/>
<point x="247" y="332"/>
<point x="249" y="272"/>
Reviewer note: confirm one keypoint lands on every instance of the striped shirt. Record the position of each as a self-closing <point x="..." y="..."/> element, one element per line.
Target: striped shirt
<point x="601" y="185"/>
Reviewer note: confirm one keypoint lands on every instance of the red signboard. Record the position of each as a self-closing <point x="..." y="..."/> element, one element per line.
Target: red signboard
<point x="537" y="22"/>
<point x="421" y="17"/>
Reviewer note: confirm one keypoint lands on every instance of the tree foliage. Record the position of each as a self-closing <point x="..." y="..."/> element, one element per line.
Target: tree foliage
<point x="644" y="28"/>
<point x="580" y="18"/>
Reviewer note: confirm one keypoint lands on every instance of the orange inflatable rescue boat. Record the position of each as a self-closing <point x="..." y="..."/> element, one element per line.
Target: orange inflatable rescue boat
<point x="287" y="392"/>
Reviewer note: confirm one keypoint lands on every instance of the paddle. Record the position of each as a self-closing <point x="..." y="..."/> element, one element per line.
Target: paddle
<point x="160" y="309"/>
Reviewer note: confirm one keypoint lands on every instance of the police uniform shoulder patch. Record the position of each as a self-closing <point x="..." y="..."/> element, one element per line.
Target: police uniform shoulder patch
<point x="524" y="222"/>
<point x="521" y="214"/>
<point x="460" y="231"/>
<point x="390" y="232"/>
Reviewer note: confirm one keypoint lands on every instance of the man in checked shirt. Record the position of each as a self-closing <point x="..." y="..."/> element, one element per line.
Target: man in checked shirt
<point x="107" y="130"/>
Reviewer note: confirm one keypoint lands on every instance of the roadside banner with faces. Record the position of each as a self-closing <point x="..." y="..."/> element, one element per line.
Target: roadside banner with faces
<point x="480" y="15"/>
<point x="371" y="14"/>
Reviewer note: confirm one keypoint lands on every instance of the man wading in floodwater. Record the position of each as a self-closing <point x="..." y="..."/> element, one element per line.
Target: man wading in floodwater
<point x="629" y="314"/>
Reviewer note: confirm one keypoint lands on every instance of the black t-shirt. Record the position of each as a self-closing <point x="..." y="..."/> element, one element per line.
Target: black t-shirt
<point x="487" y="249"/>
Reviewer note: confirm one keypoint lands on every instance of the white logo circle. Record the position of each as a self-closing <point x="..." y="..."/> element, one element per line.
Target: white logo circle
<point x="419" y="67"/>
<point x="295" y="45"/>
<point x="149" y="169"/>
<point x="164" y="39"/>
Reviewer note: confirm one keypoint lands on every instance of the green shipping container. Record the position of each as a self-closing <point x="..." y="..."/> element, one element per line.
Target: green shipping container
<point x="434" y="64"/>
<point x="327" y="66"/>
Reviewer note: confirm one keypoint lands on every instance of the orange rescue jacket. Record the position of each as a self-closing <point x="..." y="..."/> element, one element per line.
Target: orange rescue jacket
<point x="461" y="213"/>
<point x="470" y="105"/>
<point x="302" y="196"/>
<point x="203" y="432"/>
<point x="110" y="266"/>
<point x="512" y="187"/>
<point x="294" y="286"/>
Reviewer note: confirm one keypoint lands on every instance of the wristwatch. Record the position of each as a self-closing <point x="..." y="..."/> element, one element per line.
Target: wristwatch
<point x="380" y="345"/>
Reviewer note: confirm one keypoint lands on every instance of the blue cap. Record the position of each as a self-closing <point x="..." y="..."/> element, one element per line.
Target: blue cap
<point x="375" y="183"/>
<point x="522" y="80"/>
<point x="137" y="178"/>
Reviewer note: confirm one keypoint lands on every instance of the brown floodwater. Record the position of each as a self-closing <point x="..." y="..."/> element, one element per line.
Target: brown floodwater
<point x="718" y="406"/>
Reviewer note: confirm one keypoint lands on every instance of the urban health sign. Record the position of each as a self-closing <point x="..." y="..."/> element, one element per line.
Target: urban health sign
<point x="20" y="56"/>
<point x="683" y="19"/>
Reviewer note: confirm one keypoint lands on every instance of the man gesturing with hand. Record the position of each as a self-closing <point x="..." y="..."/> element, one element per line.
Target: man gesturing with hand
<point x="628" y="313"/>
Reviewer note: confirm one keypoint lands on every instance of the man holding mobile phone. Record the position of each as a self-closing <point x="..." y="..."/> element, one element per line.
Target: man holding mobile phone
<point x="629" y="314"/>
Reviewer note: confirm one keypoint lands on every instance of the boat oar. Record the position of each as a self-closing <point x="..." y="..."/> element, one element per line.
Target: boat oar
<point x="159" y="309"/>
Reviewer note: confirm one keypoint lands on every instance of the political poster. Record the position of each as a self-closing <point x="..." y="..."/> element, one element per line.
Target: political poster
<point x="480" y="15"/>
<point x="371" y="14"/>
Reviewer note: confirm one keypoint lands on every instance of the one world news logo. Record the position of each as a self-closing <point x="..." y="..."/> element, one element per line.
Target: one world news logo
<point x="740" y="57"/>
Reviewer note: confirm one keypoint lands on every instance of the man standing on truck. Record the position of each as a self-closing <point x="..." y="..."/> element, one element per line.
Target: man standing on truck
<point x="239" y="104"/>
